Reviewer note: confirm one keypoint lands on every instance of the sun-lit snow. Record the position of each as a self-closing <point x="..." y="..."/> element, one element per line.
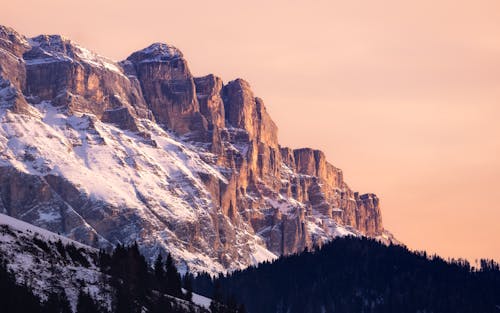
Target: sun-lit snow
<point x="157" y="182"/>
<point x="158" y="52"/>
<point x="56" y="52"/>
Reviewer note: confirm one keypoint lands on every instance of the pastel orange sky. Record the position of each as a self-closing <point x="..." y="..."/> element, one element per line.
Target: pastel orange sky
<point x="404" y="96"/>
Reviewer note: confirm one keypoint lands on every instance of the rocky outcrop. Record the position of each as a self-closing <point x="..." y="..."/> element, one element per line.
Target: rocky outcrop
<point x="72" y="77"/>
<point x="168" y="87"/>
<point x="32" y="198"/>
<point x="141" y="150"/>
<point x="369" y="216"/>
<point x="245" y="111"/>
<point x="12" y="70"/>
<point x="209" y="95"/>
<point x="12" y="47"/>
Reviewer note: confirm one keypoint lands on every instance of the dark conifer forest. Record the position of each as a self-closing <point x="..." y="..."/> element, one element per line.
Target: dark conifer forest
<point x="360" y="275"/>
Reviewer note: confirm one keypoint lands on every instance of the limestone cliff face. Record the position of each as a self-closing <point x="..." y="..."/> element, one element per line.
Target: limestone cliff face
<point x="246" y="112"/>
<point x="12" y="47"/>
<point x="209" y="95"/>
<point x="70" y="76"/>
<point x="141" y="150"/>
<point x="28" y="197"/>
<point x="168" y="87"/>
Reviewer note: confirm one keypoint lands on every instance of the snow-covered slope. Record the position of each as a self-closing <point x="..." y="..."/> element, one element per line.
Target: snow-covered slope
<point x="150" y="184"/>
<point x="38" y="260"/>
<point x="26" y="228"/>
<point x="32" y="254"/>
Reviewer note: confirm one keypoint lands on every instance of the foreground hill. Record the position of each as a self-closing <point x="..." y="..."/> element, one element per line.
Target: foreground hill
<point x="361" y="275"/>
<point x="42" y="272"/>
<point x="140" y="150"/>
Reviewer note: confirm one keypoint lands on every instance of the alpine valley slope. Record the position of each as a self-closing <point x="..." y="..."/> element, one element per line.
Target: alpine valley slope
<point x="50" y="263"/>
<point x="140" y="150"/>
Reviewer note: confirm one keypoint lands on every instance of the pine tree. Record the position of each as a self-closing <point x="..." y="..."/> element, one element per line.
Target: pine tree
<point x="188" y="286"/>
<point x="232" y="305"/>
<point x="173" y="278"/>
<point x="124" y="302"/>
<point x="159" y="273"/>
<point x="130" y="278"/>
<point x="57" y="303"/>
<point x="242" y="309"/>
<point x="16" y="298"/>
<point x="86" y="304"/>
<point x="216" y="305"/>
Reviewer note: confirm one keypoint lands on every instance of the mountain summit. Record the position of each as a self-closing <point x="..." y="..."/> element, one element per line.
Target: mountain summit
<point x="140" y="150"/>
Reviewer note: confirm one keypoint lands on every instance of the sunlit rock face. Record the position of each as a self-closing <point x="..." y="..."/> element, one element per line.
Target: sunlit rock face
<point x="168" y="87"/>
<point x="140" y="150"/>
<point x="72" y="77"/>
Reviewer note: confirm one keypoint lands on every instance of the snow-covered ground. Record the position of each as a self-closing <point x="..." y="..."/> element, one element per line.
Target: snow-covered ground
<point x="200" y="300"/>
<point x="31" y="254"/>
<point x="47" y="270"/>
<point x="27" y="228"/>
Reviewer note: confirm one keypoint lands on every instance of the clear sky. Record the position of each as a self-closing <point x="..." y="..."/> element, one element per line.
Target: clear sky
<point x="404" y="96"/>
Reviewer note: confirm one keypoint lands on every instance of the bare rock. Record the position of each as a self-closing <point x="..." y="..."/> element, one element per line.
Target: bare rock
<point x="209" y="94"/>
<point x="245" y="111"/>
<point x="73" y="77"/>
<point x="12" y="47"/>
<point x="168" y="87"/>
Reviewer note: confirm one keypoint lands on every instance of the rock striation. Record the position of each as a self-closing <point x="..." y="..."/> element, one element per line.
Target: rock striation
<point x="141" y="150"/>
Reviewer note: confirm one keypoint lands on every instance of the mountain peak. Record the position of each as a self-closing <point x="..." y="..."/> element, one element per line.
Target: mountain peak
<point x="50" y="47"/>
<point x="55" y="48"/>
<point x="12" y="35"/>
<point x="12" y="45"/>
<point x="156" y="52"/>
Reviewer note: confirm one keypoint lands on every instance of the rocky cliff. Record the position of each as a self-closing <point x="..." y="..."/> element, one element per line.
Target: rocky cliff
<point x="140" y="150"/>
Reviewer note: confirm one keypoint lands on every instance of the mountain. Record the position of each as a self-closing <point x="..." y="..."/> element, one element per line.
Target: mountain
<point x="142" y="151"/>
<point x="47" y="264"/>
<point x="361" y="275"/>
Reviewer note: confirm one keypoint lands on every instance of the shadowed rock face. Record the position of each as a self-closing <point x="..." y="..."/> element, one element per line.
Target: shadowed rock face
<point x="12" y="70"/>
<point x="28" y="197"/>
<point x="192" y="165"/>
<point x="12" y="47"/>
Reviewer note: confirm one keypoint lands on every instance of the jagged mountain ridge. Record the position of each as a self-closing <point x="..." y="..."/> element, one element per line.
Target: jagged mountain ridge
<point x="141" y="150"/>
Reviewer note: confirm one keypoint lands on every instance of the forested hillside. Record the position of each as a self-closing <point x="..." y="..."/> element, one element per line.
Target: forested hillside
<point x="361" y="275"/>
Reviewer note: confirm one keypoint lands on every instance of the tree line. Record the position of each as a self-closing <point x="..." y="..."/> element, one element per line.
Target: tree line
<point x="360" y="275"/>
